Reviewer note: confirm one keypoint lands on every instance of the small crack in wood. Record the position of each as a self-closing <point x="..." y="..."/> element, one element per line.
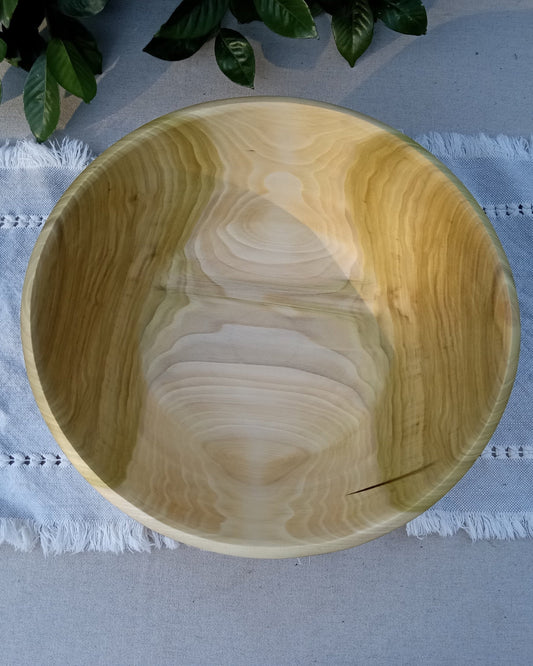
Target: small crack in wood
<point x="396" y="478"/>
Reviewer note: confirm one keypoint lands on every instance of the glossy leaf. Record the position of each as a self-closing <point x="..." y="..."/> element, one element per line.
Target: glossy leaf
<point x="176" y="49"/>
<point x="193" y="19"/>
<point x="235" y="57"/>
<point x="41" y="100"/>
<point x="406" y="16"/>
<point x="70" y="69"/>
<point x="244" y="10"/>
<point x="24" y="43"/>
<point x="353" y="28"/>
<point x="72" y="30"/>
<point x="290" y="18"/>
<point x="7" y="7"/>
<point x="89" y="51"/>
<point x="81" y="8"/>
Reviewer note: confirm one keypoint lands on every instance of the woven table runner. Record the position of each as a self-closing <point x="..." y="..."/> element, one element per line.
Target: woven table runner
<point x="43" y="499"/>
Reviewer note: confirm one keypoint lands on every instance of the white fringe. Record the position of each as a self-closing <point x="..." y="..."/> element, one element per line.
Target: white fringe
<point x="28" y="154"/>
<point x="76" y="537"/>
<point x="500" y="525"/>
<point x="480" y="145"/>
<point x="74" y="154"/>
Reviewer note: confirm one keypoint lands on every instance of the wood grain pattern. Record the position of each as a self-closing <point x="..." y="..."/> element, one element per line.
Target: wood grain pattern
<point x="269" y="327"/>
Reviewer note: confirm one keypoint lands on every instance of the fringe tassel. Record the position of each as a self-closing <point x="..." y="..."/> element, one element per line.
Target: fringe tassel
<point x="499" y="525"/>
<point x="77" y="537"/>
<point x="458" y="145"/>
<point x="27" y="154"/>
<point x="73" y="154"/>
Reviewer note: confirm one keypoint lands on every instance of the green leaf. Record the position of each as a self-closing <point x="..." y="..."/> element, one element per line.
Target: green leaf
<point x="7" y="7"/>
<point x="235" y="57"/>
<point x="88" y="50"/>
<point x="70" y="70"/>
<point x="72" y="30"/>
<point x="176" y="49"/>
<point x="41" y="100"/>
<point x="353" y="28"/>
<point x="244" y="10"/>
<point x="193" y="19"/>
<point x="406" y="16"/>
<point x="81" y="8"/>
<point x="24" y="43"/>
<point x="290" y="18"/>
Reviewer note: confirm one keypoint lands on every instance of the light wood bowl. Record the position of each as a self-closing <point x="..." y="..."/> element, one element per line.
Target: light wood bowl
<point x="270" y="327"/>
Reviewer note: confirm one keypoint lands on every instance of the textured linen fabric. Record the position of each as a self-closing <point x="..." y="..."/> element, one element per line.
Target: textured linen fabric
<point x="44" y="500"/>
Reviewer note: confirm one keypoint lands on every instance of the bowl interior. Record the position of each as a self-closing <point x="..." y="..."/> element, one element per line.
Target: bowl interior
<point x="269" y="327"/>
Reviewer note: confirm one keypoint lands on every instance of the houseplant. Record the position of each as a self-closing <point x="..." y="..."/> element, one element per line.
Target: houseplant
<point x="48" y="39"/>
<point x="194" y="22"/>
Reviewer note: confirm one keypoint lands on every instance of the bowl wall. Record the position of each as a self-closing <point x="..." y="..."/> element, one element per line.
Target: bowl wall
<point x="270" y="327"/>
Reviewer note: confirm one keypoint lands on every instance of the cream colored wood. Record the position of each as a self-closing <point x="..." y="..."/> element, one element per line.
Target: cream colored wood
<point x="269" y="327"/>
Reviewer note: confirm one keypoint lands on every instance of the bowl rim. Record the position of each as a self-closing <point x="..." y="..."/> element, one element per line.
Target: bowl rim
<point x="238" y="548"/>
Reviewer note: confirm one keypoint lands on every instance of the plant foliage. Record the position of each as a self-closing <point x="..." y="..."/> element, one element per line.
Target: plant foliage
<point x="46" y="39"/>
<point x="195" y="22"/>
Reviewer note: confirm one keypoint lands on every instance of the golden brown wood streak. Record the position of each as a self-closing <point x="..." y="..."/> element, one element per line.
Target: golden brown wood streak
<point x="270" y="327"/>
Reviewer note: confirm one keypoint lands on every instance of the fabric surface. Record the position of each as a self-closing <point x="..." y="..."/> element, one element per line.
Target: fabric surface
<point x="43" y="500"/>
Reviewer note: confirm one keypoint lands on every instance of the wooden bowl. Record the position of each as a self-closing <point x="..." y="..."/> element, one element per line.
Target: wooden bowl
<point x="270" y="327"/>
